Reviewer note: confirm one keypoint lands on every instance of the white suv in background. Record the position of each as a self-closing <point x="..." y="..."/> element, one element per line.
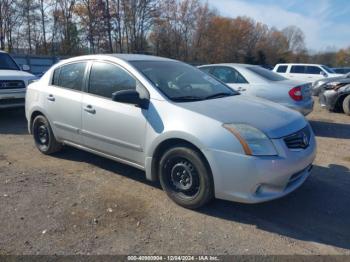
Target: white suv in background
<point x="304" y="72"/>
<point x="13" y="82"/>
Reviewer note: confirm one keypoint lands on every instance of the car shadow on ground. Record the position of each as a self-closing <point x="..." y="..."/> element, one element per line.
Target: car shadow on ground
<point x="332" y="130"/>
<point x="73" y="154"/>
<point x="13" y="121"/>
<point x="318" y="211"/>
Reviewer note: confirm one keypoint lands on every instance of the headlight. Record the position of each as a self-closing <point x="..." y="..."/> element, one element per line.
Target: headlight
<point x="253" y="141"/>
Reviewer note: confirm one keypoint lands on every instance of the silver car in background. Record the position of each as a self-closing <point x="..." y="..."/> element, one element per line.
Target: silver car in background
<point x="257" y="81"/>
<point x="200" y="138"/>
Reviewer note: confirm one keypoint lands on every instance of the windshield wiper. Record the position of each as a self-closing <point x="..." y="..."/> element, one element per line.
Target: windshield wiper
<point x="187" y="98"/>
<point x="218" y="95"/>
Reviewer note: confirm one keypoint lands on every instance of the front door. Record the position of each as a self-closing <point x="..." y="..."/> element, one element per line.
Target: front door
<point x="111" y="127"/>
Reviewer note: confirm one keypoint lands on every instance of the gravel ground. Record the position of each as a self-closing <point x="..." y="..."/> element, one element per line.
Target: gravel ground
<point x="78" y="203"/>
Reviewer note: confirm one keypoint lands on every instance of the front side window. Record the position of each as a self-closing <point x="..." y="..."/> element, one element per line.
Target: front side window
<point x="266" y="74"/>
<point x="282" y="69"/>
<point x="181" y="82"/>
<point x="228" y="75"/>
<point x="70" y="76"/>
<point x="298" y="69"/>
<point x="106" y="79"/>
<point x="328" y="70"/>
<point x="7" y="63"/>
<point x="314" y="70"/>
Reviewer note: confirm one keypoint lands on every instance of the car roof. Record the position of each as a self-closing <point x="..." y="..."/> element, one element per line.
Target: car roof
<point x="229" y="64"/>
<point x="124" y="57"/>
<point x="300" y="64"/>
<point x="138" y="57"/>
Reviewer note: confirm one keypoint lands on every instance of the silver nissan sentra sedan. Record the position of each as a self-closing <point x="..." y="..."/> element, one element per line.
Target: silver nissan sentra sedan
<point x="200" y="138"/>
<point x="254" y="80"/>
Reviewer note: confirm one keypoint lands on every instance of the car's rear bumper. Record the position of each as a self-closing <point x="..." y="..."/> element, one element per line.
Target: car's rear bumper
<point x="12" y="98"/>
<point x="304" y="107"/>
<point x="253" y="179"/>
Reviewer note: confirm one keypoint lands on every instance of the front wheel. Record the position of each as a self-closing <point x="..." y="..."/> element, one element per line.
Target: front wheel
<point x="185" y="177"/>
<point x="44" y="138"/>
<point x="346" y="105"/>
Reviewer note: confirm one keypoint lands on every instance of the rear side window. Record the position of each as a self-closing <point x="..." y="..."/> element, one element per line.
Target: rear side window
<point x="282" y="69"/>
<point x="106" y="79"/>
<point x="298" y="69"/>
<point x="313" y="70"/>
<point x="228" y="75"/>
<point x="56" y="75"/>
<point x="70" y="76"/>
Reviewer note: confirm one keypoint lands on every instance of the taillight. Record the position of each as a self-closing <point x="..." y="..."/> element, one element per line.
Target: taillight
<point x="295" y="93"/>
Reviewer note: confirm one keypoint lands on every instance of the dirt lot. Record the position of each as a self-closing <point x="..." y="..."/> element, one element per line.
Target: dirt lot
<point x="75" y="202"/>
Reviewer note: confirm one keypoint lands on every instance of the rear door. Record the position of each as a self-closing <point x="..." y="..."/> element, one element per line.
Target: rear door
<point x="297" y="72"/>
<point x="282" y="70"/>
<point x="110" y="127"/>
<point x="63" y="101"/>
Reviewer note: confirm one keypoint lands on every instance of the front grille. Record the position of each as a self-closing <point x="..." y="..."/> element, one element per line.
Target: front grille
<point x="299" y="140"/>
<point x="12" y="84"/>
<point x="11" y="101"/>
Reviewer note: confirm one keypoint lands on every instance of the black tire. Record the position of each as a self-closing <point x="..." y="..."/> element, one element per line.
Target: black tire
<point x="346" y="105"/>
<point x="185" y="177"/>
<point x="44" y="138"/>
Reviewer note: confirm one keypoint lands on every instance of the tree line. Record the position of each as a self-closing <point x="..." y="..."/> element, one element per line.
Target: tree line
<point x="188" y="30"/>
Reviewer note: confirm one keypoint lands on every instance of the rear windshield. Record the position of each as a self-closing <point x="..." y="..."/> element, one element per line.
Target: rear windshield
<point x="7" y="63"/>
<point x="267" y="74"/>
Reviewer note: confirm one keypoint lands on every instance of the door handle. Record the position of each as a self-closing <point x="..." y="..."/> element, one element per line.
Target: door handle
<point x="90" y="109"/>
<point x="241" y="89"/>
<point x="51" y="98"/>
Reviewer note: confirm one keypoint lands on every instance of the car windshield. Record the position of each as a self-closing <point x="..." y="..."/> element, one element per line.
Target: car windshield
<point x="328" y="70"/>
<point x="181" y="82"/>
<point x="7" y="63"/>
<point x="267" y="74"/>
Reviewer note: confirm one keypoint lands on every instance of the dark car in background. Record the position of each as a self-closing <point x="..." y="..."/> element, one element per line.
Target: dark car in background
<point x="341" y="70"/>
<point x="335" y="96"/>
<point x="324" y="83"/>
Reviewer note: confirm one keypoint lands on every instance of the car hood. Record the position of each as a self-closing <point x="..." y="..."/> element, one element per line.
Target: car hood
<point x="274" y="120"/>
<point x="335" y="75"/>
<point x="15" y="75"/>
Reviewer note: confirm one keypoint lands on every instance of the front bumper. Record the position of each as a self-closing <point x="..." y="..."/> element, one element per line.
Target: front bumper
<point x="253" y="179"/>
<point x="12" y="98"/>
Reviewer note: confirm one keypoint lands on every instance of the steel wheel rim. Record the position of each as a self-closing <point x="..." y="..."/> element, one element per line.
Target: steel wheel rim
<point x="42" y="135"/>
<point x="182" y="177"/>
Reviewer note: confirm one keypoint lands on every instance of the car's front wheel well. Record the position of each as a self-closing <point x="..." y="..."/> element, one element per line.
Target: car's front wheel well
<point x="166" y="145"/>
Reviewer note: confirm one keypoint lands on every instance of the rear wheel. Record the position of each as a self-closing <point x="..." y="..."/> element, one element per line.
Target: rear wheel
<point x="44" y="138"/>
<point x="185" y="177"/>
<point x="346" y="105"/>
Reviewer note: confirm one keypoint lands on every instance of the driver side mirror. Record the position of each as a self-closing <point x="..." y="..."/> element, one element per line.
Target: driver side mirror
<point x="25" y="67"/>
<point x="324" y="74"/>
<point x="130" y="97"/>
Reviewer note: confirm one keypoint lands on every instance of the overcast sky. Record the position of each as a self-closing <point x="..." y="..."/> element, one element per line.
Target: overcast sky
<point x="325" y="23"/>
